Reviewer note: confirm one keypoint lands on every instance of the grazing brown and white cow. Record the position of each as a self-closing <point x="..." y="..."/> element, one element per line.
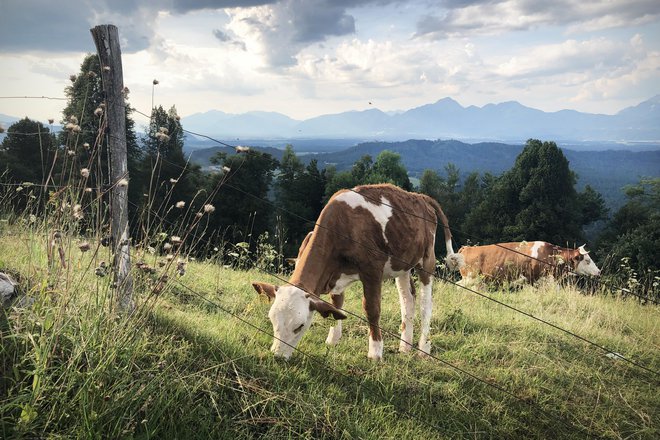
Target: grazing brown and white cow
<point x="526" y="261"/>
<point x="369" y="233"/>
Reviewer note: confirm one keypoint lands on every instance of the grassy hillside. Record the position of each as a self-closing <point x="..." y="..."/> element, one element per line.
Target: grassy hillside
<point x="186" y="367"/>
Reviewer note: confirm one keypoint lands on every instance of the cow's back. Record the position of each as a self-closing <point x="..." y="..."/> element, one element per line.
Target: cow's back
<point x="382" y="220"/>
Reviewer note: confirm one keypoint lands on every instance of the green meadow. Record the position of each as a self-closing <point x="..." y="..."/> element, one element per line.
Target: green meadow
<point x="193" y="360"/>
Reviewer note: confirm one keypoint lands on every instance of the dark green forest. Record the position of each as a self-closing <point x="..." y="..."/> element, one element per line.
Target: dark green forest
<point x="534" y="195"/>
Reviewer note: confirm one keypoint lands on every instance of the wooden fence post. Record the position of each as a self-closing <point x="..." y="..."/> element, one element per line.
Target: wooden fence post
<point x="106" y="38"/>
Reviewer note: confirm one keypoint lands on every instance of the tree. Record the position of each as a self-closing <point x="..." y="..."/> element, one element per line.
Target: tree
<point x="241" y="213"/>
<point x="84" y="135"/>
<point x="633" y="234"/>
<point x="430" y="184"/>
<point x="299" y="192"/>
<point x="168" y="177"/>
<point x="357" y="175"/>
<point x="27" y="151"/>
<point x="456" y="199"/>
<point x="386" y="169"/>
<point x="389" y="169"/>
<point x="592" y="206"/>
<point x="535" y="200"/>
<point x="86" y="106"/>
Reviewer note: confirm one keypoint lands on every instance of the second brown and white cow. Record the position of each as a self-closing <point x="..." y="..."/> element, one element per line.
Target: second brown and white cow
<point x="369" y="233"/>
<point x="523" y="261"/>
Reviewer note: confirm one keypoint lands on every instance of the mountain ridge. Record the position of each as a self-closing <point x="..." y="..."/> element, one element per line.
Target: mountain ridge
<point x="508" y="121"/>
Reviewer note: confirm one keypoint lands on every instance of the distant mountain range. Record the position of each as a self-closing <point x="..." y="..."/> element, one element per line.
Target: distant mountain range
<point x="444" y="119"/>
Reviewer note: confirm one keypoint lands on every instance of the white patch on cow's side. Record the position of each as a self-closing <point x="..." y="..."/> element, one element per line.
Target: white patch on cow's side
<point x="534" y="251"/>
<point x="388" y="272"/>
<point x="407" y="302"/>
<point x="381" y="213"/>
<point x="587" y="267"/>
<point x="425" y="310"/>
<point x="334" y="335"/>
<point x="291" y="317"/>
<point x="343" y="282"/>
<point x="375" y="349"/>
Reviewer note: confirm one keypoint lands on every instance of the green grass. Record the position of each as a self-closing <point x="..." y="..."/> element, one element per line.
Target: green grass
<point x="184" y="368"/>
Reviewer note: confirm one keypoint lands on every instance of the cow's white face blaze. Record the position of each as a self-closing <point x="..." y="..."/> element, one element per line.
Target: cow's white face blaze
<point x="586" y="266"/>
<point x="291" y="316"/>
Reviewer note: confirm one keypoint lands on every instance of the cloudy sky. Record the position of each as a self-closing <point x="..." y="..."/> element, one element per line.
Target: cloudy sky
<point x="304" y="58"/>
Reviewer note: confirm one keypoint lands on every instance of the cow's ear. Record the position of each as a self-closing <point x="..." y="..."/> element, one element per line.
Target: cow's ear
<point x="326" y="309"/>
<point x="265" y="289"/>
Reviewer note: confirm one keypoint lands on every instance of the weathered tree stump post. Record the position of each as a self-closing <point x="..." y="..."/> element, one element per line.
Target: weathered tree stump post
<point x="106" y="38"/>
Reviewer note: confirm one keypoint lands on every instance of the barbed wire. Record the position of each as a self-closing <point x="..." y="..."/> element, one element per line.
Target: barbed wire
<point x="501" y="389"/>
<point x="550" y="264"/>
<point x="499" y="245"/>
<point x="529" y="402"/>
<point x="396" y="336"/>
<point x="419" y="269"/>
<point x="34" y="97"/>
<point x="444" y="278"/>
<point x="526" y="401"/>
<point x="608" y="351"/>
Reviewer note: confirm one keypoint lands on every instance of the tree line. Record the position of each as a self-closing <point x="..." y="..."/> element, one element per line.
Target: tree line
<point x="255" y="195"/>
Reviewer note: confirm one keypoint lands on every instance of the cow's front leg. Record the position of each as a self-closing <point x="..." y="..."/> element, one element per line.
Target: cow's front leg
<point x="426" y="309"/>
<point x="371" y="305"/>
<point x="334" y="335"/>
<point x="407" y="302"/>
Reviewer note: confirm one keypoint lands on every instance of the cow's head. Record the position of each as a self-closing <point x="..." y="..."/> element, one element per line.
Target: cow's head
<point x="584" y="265"/>
<point x="291" y="314"/>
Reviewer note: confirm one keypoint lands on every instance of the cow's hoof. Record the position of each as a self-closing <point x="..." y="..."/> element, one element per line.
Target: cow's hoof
<point x="424" y="350"/>
<point x="404" y="347"/>
<point x="375" y="358"/>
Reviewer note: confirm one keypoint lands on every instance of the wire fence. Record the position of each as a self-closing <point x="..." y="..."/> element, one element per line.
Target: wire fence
<point x="499" y="388"/>
<point x="454" y="229"/>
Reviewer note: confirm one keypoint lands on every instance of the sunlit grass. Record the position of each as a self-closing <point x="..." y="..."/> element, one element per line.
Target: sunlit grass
<point x="186" y="367"/>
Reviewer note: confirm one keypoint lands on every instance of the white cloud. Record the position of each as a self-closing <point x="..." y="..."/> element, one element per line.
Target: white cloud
<point x="279" y="31"/>
<point x="305" y="58"/>
<point x="489" y="17"/>
<point x="596" y="56"/>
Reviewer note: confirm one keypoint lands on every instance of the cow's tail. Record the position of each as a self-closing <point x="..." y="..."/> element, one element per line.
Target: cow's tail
<point x="453" y="260"/>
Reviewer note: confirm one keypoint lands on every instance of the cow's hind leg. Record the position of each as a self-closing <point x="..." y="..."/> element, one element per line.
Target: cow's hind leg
<point x="425" y="309"/>
<point x="407" y="301"/>
<point x="334" y="334"/>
